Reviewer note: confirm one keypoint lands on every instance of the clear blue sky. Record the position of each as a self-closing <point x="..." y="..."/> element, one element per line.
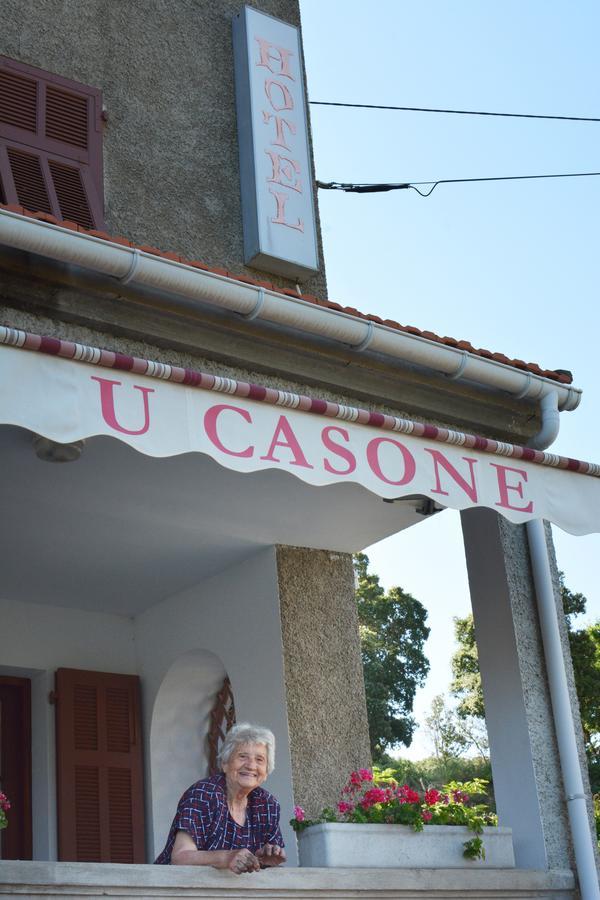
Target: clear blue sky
<point x="510" y="266"/>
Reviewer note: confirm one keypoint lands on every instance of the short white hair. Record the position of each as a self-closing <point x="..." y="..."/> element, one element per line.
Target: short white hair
<point x="245" y="733"/>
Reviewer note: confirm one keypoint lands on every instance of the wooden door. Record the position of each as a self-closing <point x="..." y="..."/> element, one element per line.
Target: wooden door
<point x="15" y="765"/>
<point x="99" y="767"/>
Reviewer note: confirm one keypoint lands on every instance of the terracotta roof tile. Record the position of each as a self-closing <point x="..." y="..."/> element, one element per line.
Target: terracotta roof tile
<point x="562" y="376"/>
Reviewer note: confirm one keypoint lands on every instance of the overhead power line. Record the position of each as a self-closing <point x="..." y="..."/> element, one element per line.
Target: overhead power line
<point x="455" y="112"/>
<point x="415" y="185"/>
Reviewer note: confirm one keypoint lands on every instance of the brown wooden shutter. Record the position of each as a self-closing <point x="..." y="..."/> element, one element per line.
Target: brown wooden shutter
<point x="50" y="144"/>
<point x="99" y="767"/>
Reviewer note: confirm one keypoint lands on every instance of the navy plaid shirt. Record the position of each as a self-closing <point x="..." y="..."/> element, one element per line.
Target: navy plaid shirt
<point x="203" y="814"/>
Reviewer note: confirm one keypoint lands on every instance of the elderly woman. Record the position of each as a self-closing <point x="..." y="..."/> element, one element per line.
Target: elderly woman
<point x="229" y="821"/>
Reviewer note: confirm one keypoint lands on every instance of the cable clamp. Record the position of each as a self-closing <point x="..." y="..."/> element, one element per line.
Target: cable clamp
<point x="133" y="267"/>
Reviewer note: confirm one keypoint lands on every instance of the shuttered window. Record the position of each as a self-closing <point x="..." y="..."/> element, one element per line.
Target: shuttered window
<point x="99" y="767"/>
<point x="50" y="144"/>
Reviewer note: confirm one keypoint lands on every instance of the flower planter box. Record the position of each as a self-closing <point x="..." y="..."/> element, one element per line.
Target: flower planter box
<point x="338" y="844"/>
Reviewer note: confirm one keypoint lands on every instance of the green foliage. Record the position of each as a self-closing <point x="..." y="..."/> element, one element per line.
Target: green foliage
<point x="449" y="741"/>
<point x="597" y="816"/>
<point x="585" y="653"/>
<point x="393" y="632"/>
<point x="452" y="734"/>
<point x="466" y="680"/>
<point x="474" y="849"/>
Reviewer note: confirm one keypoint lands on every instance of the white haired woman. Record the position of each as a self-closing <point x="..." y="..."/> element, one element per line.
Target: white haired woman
<point x="229" y="821"/>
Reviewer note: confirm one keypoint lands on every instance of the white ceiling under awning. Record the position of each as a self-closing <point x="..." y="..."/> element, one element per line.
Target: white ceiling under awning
<point x="119" y="531"/>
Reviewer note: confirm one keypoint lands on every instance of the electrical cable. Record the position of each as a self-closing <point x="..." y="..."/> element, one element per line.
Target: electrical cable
<point x="380" y="188"/>
<point x="456" y="112"/>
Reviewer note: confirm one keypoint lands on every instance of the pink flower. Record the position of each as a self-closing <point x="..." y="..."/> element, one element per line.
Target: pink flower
<point x="344" y="807"/>
<point x="427" y="815"/>
<point x="460" y="797"/>
<point x="299" y="814"/>
<point x="355" y="779"/>
<point x="4" y="802"/>
<point x="365" y="774"/>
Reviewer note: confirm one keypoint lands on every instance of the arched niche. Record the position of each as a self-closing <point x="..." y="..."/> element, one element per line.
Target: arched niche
<point x="178" y="731"/>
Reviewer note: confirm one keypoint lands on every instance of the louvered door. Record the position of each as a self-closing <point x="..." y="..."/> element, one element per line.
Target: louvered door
<point x="99" y="767"/>
<point x="50" y="144"/>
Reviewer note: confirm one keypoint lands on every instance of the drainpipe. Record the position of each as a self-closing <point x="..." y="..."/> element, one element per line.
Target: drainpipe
<point x="557" y="679"/>
<point x="550" y="422"/>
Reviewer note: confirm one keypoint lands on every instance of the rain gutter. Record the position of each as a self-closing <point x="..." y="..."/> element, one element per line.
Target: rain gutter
<point x="135" y="267"/>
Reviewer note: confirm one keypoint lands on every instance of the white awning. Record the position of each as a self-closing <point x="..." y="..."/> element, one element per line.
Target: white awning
<point x="68" y="392"/>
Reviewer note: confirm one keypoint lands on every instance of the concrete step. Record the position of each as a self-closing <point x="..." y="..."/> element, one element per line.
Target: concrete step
<point x="88" y="881"/>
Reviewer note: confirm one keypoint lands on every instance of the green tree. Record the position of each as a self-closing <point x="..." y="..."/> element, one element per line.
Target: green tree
<point x="466" y="680"/>
<point x="585" y="652"/>
<point x="443" y="726"/>
<point x="393" y="633"/>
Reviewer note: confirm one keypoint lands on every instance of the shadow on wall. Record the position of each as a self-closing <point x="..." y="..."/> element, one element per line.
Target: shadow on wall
<point x="180" y="725"/>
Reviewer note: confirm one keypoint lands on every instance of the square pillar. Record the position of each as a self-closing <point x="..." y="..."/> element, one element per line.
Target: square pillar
<point x="327" y="713"/>
<point x="524" y="753"/>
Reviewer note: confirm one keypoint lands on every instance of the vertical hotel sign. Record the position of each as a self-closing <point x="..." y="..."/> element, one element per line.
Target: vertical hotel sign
<point x="275" y="168"/>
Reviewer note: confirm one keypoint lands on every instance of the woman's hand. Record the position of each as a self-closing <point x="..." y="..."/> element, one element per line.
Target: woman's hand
<point x="185" y="853"/>
<point x="243" y="861"/>
<point x="271" y="855"/>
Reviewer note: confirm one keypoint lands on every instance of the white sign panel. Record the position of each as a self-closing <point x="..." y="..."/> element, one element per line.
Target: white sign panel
<point x="278" y="208"/>
<point x="66" y="401"/>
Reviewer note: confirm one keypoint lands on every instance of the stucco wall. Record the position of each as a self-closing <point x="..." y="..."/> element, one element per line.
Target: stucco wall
<point x="235" y="616"/>
<point x="323" y="673"/>
<point x="165" y="69"/>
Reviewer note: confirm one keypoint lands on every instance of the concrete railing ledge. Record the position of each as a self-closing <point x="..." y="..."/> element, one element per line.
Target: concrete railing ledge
<point x="20" y="879"/>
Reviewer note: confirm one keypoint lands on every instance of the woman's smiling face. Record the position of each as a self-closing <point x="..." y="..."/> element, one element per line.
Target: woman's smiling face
<point x="246" y="768"/>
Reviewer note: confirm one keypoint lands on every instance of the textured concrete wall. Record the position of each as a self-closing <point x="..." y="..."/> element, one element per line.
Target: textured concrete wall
<point x="536" y="695"/>
<point x="525" y="762"/>
<point x="165" y="69"/>
<point x="323" y="673"/>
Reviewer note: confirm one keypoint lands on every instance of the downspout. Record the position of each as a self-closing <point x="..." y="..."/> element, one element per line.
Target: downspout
<point x="557" y="678"/>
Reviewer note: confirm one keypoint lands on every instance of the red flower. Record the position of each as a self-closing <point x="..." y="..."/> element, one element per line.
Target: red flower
<point x="366" y="774"/>
<point x="427" y="815"/>
<point x="407" y="795"/>
<point x="373" y="796"/>
<point x="432" y="796"/>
